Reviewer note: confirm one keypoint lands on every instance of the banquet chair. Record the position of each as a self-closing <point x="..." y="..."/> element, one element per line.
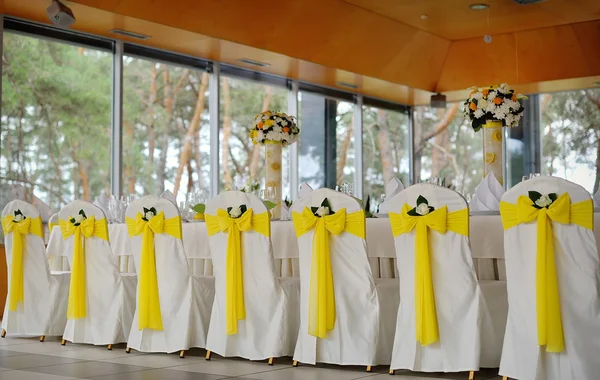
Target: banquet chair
<point x="438" y="321"/>
<point x="265" y="325"/>
<point x="37" y="298"/>
<point x="56" y="262"/>
<point x="101" y="299"/>
<point x="552" y="269"/>
<point x="334" y="268"/>
<point x="173" y="308"/>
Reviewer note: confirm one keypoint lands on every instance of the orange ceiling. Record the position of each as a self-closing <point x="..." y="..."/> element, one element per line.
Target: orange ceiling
<point x="365" y="42"/>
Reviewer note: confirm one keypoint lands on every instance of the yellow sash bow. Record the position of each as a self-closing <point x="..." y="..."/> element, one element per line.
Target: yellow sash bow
<point x="198" y="216"/>
<point x="235" y="308"/>
<point x="440" y="220"/>
<point x="321" y="304"/>
<point x="549" y="320"/>
<point x="19" y="230"/>
<point x="51" y="226"/>
<point x="149" y="314"/>
<point x="77" y="292"/>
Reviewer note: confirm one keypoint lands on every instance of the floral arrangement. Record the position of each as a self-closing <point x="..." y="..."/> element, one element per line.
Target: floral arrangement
<point x="78" y="219"/>
<point x="149" y="213"/>
<point x="236" y="212"/>
<point x="323" y="210"/>
<point x="251" y="186"/>
<point x="275" y="127"/>
<point x="19" y="217"/>
<point x="423" y="208"/>
<point x="542" y="201"/>
<point x="497" y="102"/>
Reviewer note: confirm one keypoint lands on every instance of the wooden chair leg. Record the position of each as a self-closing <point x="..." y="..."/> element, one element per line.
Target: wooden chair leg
<point x="369" y="369"/>
<point x="392" y="372"/>
<point x="182" y="354"/>
<point x="472" y="375"/>
<point x="3" y="333"/>
<point x="504" y="377"/>
<point x="128" y="350"/>
<point x="207" y="355"/>
<point x="271" y="360"/>
<point x="42" y="338"/>
<point x="295" y="363"/>
<point x="63" y="342"/>
<point x="109" y="347"/>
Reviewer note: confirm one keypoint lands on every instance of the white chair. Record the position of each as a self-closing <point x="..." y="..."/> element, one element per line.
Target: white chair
<point x="184" y="302"/>
<point x="354" y="337"/>
<point x="270" y="327"/>
<point x="56" y="261"/>
<point x="109" y="295"/>
<point x="43" y="309"/>
<point x="456" y="292"/>
<point x="577" y="273"/>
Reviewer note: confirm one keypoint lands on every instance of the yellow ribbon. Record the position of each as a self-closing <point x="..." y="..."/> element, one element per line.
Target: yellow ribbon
<point x="19" y="230"/>
<point x="440" y="220"/>
<point x="235" y="308"/>
<point x="321" y="305"/>
<point x="549" y="320"/>
<point x="199" y="216"/>
<point x="77" y="291"/>
<point x="149" y="315"/>
<point x="52" y="225"/>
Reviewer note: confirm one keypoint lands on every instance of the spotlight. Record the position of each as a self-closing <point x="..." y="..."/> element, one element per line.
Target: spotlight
<point x="60" y="14"/>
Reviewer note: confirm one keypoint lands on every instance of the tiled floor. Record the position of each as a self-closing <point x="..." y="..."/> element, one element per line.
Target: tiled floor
<point x="27" y="358"/>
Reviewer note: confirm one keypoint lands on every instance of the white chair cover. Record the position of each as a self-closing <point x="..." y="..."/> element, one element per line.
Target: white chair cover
<point x="185" y="303"/>
<point x="457" y="294"/>
<point x="55" y="261"/>
<point x="272" y="307"/>
<point x="110" y="295"/>
<point x="44" y="310"/>
<point x="305" y="190"/>
<point x="578" y="278"/>
<point x="169" y="196"/>
<point x="354" y="338"/>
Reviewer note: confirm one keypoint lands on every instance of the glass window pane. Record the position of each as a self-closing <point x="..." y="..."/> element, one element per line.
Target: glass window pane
<point x="385" y="149"/>
<point x="240" y="101"/>
<point x="56" y="122"/>
<point x="345" y="160"/>
<point x="165" y="128"/>
<point x="571" y="136"/>
<point x="446" y="146"/>
<point x="311" y="144"/>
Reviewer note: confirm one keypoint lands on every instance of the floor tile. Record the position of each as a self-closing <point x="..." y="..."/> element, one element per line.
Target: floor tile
<point x="11" y="341"/>
<point x="230" y="367"/>
<point x="87" y="369"/>
<point x="25" y="375"/>
<point x="94" y="353"/>
<point x="155" y="360"/>
<point x="310" y="373"/>
<point x="32" y="360"/>
<point x="47" y="347"/>
<point x="159" y="374"/>
<point x="5" y="352"/>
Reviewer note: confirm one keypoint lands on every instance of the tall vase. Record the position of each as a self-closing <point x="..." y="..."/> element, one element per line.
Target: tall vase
<point x="493" y="151"/>
<point x="273" y="174"/>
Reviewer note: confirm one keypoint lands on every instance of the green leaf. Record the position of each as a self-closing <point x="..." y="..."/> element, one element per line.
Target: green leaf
<point x="72" y="220"/>
<point x="553" y="197"/>
<point x="18" y="212"/>
<point x="534" y="196"/>
<point x="153" y="210"/>
<point x="325" y="203"/>
<point x="199" y="208"/>
<point x="229" y="209"/>
<point x="413" y="212"/>
<point x="314" y="209"/>
<point x="422" y="200"/>
<point x="82" y="213"/>
<point x="270" y="205"/>
<point x="145" y="210"/>
<point x="243" y="208"/>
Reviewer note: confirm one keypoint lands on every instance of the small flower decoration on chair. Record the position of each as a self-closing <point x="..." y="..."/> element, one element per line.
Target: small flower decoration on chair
<point x="498" y="102"/>
<point x="251" y="186"/>
<point x="149" y="213"/>
<point x="542" y="201"/>
<point x="236" y="212"/>
<point x="423" y="208"/>
<point x="19" y="217"/>
<point x="274" y="127"/>
<point x="323" y="210"/>
<point x="78" y="219"/>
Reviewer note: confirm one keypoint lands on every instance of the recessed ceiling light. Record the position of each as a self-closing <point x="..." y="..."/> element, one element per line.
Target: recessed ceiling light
<point x="127" y="33"/>
<point x="253" y="62"/>
<point x="346" y="84"/>
<point x="424" y="17"/>
<point x="479" y="7"/>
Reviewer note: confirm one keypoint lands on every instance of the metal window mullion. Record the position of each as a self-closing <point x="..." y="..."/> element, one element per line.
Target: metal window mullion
<point x="358" y="147"/>
<point x="411" y="148"/>
<point x="293" y="149"/>
<point x="214" y="114"/>
<point x="116" y="169"/>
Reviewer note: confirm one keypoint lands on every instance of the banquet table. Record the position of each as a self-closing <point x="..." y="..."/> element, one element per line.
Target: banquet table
<point x="487" y="246"/>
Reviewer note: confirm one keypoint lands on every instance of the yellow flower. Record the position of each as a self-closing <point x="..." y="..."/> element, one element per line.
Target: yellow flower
<point x="269" y="123"/>
<point x="490" y="158"/>
<point x="497" y="136"/>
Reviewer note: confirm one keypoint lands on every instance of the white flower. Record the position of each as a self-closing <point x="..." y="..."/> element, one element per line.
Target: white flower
<point x="260" y="135"/>
<point x="19" y="218"/>
<point x="478" y="113"/>
<point x="504" y="88"/>
<point x="422" y="209"/>
<point x="235" y="212"/>
<point x="491" y="96"/>
<point x="277" y="129"/>
<point x="323" y="210"/>
<point x="278" y="120"/>
<point x="284" y="123"/>
<point x="544" y="201"/>
<point x="149" y="215"/>
<point x="478" y="95"/>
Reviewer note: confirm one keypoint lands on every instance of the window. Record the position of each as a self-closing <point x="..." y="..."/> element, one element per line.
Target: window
<point x="56" y="122"/>
<point x="446" y="146"/>
<point x="385" y="149"/>
<point x="165" y="128"/>
<point x="571" y="136"/>
<point x="240" y="101"/>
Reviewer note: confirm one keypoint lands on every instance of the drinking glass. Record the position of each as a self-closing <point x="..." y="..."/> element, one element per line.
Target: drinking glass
<point x="524" y="178"/>
<point x="350" y="189"/>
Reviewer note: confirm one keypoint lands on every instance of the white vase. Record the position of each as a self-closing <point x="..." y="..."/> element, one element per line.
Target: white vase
<point x="492" y="149"/>
<point x="273" y="174"/>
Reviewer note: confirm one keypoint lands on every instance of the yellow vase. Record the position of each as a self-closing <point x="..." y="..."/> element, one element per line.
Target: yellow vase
<point x="273" y="165"/>
<point x="492" y="149"/>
